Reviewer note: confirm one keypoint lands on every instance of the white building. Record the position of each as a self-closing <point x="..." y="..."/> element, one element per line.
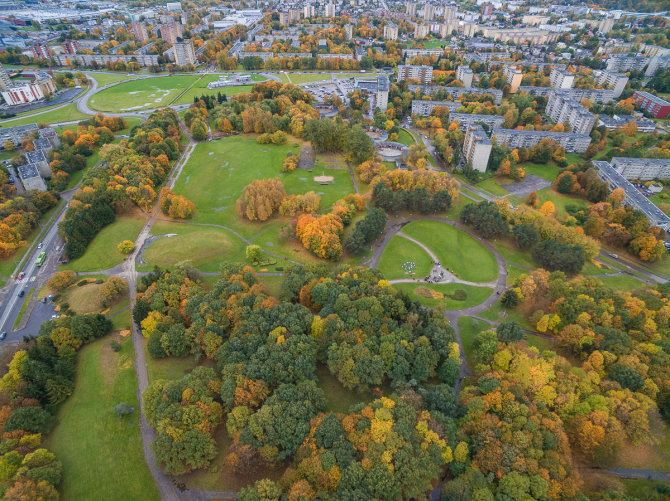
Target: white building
<point x="425" y="108"/>
<point x="643" y="169"/>
<point x="561" y="79"/>
<point x="616" y="81"/>
<point x="465" y="75"/>
<point x="390" y="32"/>
<point x="562" y="108"/>
<point x="477" y="148"/>
<point x="423" y="73"/>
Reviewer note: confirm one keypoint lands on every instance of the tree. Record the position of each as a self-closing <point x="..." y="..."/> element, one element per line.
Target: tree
<point x="509" y="332"/>
<point x="486" y="219"/>
<point x="509" y="299"/>
<point x="548" y="208"/>
<point x="61" y="280"/>
<point x="198" y="130"/>
<point x="126" y="247"/>
<point x="123" y="409"/>
<point x="33" y="419"/>
<point x="9" y="146"/>
<point x="532" y="199"/>
<point x="261" y="199"/>
<point x="367" y="230"/>
<point x="553" y="256"/>
<point x="254" y="254"/>
<point x="28" y="489"/>
<point x="357" y="145"/>
<point x="526" y="236"/>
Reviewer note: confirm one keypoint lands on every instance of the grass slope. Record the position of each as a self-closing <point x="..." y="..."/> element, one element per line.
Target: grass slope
<point x="102" y="455"/>
<point x="455" y="249"/>
<point x="64" y="114"/>
<point x="475" y="295"/>
<point x="102" y="253"/>
<point x="141" y="94"/>
<point x="400" y="250"/>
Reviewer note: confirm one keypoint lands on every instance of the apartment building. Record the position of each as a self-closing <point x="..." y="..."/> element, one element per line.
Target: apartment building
<point x="533" y="19"/>
<point x="428" y="12"/>
<point x="561" y="79"/>
<point x="283" y="18"/>
<point x="421" y="30"/>
<point x="70" y="47"/>
<point x="477" y="147"/>
<point x="561" y="108"/>
<point x="41" y="51"/>
<point x="308" y="11"/>
<point x="608" y="173"/>
<point x="622" y="62"/>
<point x="447" y="28"/>
<point x="410" y="9"/>
<point x="330" y="10"/>
<point x="184" y="53"/>
<point x="139" y="32"/>
<point x="391" y="32"/>
<point x="412" y="53"/>
<point x="643" y="125"/>
<point x="30" y="178"/>
<point x="654" y="105"/>
<point x="449" y="12"/>
<point x="423" y="73"/>
<point x="513" y="75"/>
<point x="465" y="120"/>
<point x="596" y="95"/>
<point x="425" y="108"/>
<point x="5" y="81"/>
<point x="616" y="81"/>
<point x="470" y="29"/>
<point x="465" y="75"/>
<point x="22" y="94"/>
<point x="382" y="94"/>
<point x="101" y="59"/>
<point x="349" y="31"/>
<point x="456" y="92"/>
<point x="534" y="36"/>
<point x="170" y="32"/>
<point x="606" y="25"/>
<point x="39" y="160"/>
<point x="656" y="63"/>
<point x="512" y="138"/>
<point x="643" y="169"/>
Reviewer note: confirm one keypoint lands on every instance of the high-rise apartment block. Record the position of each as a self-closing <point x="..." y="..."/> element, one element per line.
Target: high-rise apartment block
<point x="425" y="108"/>
<point x="390" y="32"/>
<point x="283" y="18"/>
<point x="561" y="79"/>
<point x="622" y="62"/>
<point x="330" y="10"/>
<point x="562" y="108"/>
<point x="421" y="30"/>
<point x="170" y="32"/>
<point x="424" y="73"/>
<point x="410" y="9"/>
<point x="184" y="53"/>
<point x="349" y="31"/>
<point x="513" y="138"/>
<point x="464" y="74"/>
<point x="41" y="51"/>
<point x="308" y="11"/>
<point x="617" y="81"/>
<point x="654" y="105"/>
<point x="5" y="81"/>
<point x="513" y="75"/>
<point x="139" y="32"/>
<point x="428" y="12"/>
<point x="450" y="12"/>
<point x="382" y="95"/>
<point x="477" y="147"/>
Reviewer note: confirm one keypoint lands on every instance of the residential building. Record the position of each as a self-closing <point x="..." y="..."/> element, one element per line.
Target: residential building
<point x="513" y="75"/>
<point x="39" y="160"/>
<point x="41" y="51"/>
<point x="45" y="82"/>
<point x="561" y="79"/>
<point x="643" y="169"/>
<point x="616" y="81"/>
<point x="600" y="96"/>
<point x="421" y="30"/>
<point x="49" y="134"/>
<point x="70" y="47"/>
<point x="428" y="12"/>
<point x="424" y="73"/>
<point x="464" y="74"/>
<point x="5" y="81"/>
<point x="382" y="95"/>
<point x="103" y="59"/>
<point x="390" y="32"/>
<point x="477" y="148"/>
<point x="470" y="29"/>
<point x="656" y="63"/>
<point x="170" y="32"/>
<point x="643" y="125"/>
<point x="293" y="15"/>
<point x="425" y="108"/>
<point x="17" y="134"/>
<point x="450" y="12"/>
<point x="456" y="92"/>
<point x="330" y="10"/>
<point x="283" y="19"/>
<point x="561" y="108"/>
<point x="622" y="62"/>
<point x="308" y="11"/>
<point x="410" y="9"/>
<point x="139" y="32"/>
<point x="349" y="31"/>
<point x="534" y="36"/>
<point x="412" y="53"/>
<point x="533" y="20"/>
<point x="606" y="25"/>
<point x="487" y="9"/>
<point x="30" y="178"/>
<point x="173" y="6"/>
<point x="512" y="138"/>
<point x="22" y="94"/>
<point x="608" y="173"/>
<point x="654" y="105"/>
<point x="184" y="53"/>
<point x="447" y="28"/>
<point x="334" y="56"/>
<point x="465" y="120"/>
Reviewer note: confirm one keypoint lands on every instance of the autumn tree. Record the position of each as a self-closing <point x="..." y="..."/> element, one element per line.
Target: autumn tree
<point x="61" y="280"/>
<point x="261" y="199"/>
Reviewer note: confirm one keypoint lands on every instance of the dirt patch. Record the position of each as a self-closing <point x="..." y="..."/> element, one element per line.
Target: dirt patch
<point x="428" y="293"/>
<point x="84" y="299"/>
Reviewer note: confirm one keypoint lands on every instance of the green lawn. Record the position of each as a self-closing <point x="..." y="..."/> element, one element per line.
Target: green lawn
<point x="545" y="171"/>
<point x="493" y="185"/>
<point x="200" y="88"/>
<point x="24" y="306"/>
<point x="514" y="272"/>
<point x="497" y="313"/>
<point x="218" y="171"/>
<point x="622" y="282"/>
<point x="64" y="114"/>
<point x="512" y="253"/>
<point x="662" y="203"/>
<point x="141" y="94"/>
<point x="559" y="200"/>
<point x="455" y="249"/>
<point x="399" y="251"/>
<point x="130" y="123"/>
<point x="454" y="211"/>
<point x="109" y="78"/>
<point x="405" y="137"/>
<point x="205" y="248"/>
<point x="469" y="327"/>
<point x="102" y="253"/>
<point x="475" y="295"/>
<point x="300" y="78"/>
<point x="339" y="398"/>
<point x="102" y="455"/>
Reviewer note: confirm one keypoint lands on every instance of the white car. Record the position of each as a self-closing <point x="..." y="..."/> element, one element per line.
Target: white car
<point x="40" y="245"/>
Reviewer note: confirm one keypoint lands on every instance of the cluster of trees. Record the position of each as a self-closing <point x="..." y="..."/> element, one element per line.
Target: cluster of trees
<point x="290" y="163"/>
<point x="196" y="119"/>
<point x="321" y="235"/>
<point x="129" y="176"/>
<point x="39" y="376"/>
<point x="485" y="219"/>
<point x="366" y="231"/>
<point x="19" y="215"/>
<point x="582" y="182"/>
<point x="264" y="385"/>
<point x="176" y="206"/>
<point x="268" y="108"/>
<point x="334" y="135"/>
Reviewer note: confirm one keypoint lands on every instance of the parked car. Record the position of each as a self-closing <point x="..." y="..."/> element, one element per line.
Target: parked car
<point x="3" y="335"/>
<point x="21" y="293"/>
<point x="615" y="256"/>
<point x="44" y="300"/>
<point x="21" y="275"/>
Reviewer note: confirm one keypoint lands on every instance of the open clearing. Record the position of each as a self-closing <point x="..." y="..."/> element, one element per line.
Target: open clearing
<point x="399" y="251"/>
<point x="100" y="452"/>
<point x="142" y="94"/>
<point x="474" y="295"/>
<point x="109" y="78"/>
<point x="64" y="114"/>
<point x="456" y="250"/>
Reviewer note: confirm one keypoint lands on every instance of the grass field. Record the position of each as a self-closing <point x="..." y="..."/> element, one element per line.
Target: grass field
<point x="622" y="282"/>
<point x="141" y="94"/>
<point x="102" y="253"/>
<point x="455" y="249"/>
<point x="200" y="88"/>
<point x="559" y="200"/>
<point x="494" y="185"/>
<point x="100" y="452"/>
<point x="405" y="137"/>
<point x="110" y="78"/>
<point x="300" y="78"/>
<point x="64" y="114"/>
<point x="204" y="248"/>
<point x="469" y="327"/>
<point x="475" y="295"/>
<point x="339" y="398"/>
<point x="399" y="251"/>
<point x="545" y="171"/>
<point x="497" y="313"/>
<point x="84" y="299"/>
<point x="217" y="173"/>
<point x="514" y="272"/>
<point x="130" y="123"/>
